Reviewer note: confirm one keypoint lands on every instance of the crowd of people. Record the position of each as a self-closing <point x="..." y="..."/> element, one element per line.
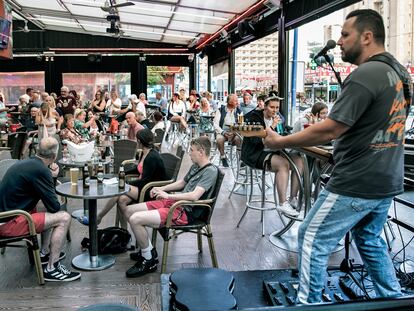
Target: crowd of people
<point x="356" y="198"/>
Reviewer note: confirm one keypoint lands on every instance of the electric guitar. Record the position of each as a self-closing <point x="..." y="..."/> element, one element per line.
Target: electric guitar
<point x="254" y="130"/>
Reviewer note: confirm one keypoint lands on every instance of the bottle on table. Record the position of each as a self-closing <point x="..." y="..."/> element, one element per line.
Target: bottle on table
<point x="65" y="153"/>
<point x="96" y="155"/>
<point x="107" y="154"/>
<point x="121" y="178"/>
<point x="85" y="176"/>
<point x="100" y="173"/>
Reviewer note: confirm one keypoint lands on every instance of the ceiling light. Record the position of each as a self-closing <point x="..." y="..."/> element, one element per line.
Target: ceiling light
<point x="69" y="22"/>
<point x="161" y="33"/>
<point x="180" y="13"/>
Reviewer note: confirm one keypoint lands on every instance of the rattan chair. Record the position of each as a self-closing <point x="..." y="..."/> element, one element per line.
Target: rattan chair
<point x="32" y="243"/>
<point x="124" y="149"/>
<point x="200" y="226"/>
<point x="158" y="138"/>
<point x="15" y="143"/>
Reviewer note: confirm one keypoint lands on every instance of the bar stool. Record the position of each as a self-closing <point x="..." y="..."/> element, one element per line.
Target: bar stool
<point x="260" y="204"/>
<point x="241" y="177"/>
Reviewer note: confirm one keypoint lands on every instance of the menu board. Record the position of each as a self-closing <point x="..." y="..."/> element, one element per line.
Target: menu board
<point x="6" y="40"/>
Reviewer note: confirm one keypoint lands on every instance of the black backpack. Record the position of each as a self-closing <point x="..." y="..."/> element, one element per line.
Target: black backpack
<point x="111" y="240"/>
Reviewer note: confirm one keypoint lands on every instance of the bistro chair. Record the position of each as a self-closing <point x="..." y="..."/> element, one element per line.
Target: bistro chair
<point x="158" y="138"/>
<point x="32" y="243"/>
<point x="124" y="149"/>
<point x="200" y="226"/>
<point x="15" y="143"/>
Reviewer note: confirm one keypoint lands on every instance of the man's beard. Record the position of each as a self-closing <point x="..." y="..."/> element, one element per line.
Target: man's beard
<point x="352" y="55"/>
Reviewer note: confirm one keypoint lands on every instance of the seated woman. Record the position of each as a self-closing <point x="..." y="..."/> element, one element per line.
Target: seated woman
<point x="95" y="127"/>
<point x="80" y="125"/>
<point x="69" y="132"/>
<point x="192" y="107"/>
<point x="150" y="168"/>
<point x="319" y="112"/>
<point x="254" y="155"/>
<point x="176" y="111"/>
<point x="159" y="121"/>
<point x="206" y="113"/>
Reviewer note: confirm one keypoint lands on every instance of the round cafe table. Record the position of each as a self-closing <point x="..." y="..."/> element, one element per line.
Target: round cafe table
<point x="91" y="260"/>
<point x="71" y="164"/>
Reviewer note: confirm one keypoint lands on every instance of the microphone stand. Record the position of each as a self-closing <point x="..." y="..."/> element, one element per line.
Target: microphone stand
<point x="337" y="75"/>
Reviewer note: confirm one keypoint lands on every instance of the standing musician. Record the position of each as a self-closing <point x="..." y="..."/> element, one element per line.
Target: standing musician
<point x="367" y="122"/>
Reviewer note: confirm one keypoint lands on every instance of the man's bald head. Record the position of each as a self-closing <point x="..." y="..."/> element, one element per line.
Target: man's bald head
<point x="130" y="118"/>
<point x="48" y="148"/>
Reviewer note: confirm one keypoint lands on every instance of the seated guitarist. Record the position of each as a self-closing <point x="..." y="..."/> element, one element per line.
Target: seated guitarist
<point x="254" y="154"/>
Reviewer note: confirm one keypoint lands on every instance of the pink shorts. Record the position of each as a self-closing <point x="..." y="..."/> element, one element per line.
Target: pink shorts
<point x="19" y="226"/>
<point x="163" y="207"/>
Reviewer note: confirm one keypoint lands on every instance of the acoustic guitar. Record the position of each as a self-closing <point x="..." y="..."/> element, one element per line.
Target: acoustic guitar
<point x="254" y="130"/>
<point x="202" y="289"/>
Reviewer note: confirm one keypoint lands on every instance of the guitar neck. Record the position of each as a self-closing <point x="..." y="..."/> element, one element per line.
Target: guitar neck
<point x="261" y="133"/>
<point x="316" y="152"/>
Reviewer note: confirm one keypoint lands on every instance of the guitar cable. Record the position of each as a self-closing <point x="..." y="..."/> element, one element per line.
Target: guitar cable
<point x="406" y="279"/>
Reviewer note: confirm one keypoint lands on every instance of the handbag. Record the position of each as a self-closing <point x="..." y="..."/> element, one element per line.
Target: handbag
<point x="113" y="128"/>
<point x="45" y="132"/>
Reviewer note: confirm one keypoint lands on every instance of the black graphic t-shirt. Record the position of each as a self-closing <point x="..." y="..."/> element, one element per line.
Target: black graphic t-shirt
<point x="369" y="157"/>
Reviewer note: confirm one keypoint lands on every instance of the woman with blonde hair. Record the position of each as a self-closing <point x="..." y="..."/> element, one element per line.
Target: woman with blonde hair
<point x="212" y="102"/>
<point x="46" y="119"/>
<point x="114" y="103"/>
<point x="80" y="125"/>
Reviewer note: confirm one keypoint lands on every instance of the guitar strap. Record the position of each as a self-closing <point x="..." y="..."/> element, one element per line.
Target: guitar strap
<point x="405" y="78"/>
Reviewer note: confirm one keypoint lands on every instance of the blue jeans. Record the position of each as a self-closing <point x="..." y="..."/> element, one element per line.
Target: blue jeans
<point x="331" y="217"/>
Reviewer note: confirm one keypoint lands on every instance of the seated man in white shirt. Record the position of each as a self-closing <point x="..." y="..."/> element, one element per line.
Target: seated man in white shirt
<point x="226" y="116"/>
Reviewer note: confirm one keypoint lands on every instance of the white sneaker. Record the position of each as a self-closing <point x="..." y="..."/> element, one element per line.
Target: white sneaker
<point x="287" y="209"/>
<point x="294" y="202"/>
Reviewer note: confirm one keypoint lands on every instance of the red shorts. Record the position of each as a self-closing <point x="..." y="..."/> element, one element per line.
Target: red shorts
<point x="19" y="226"/>
<point x="163" y="207"/>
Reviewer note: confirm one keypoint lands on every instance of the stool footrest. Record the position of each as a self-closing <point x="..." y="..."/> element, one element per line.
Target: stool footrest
<point x="259" y="208"/>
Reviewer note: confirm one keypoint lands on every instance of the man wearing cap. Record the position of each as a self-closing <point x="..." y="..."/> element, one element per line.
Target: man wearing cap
<point x="133" y="125"/>
<point x="254" y="155"/>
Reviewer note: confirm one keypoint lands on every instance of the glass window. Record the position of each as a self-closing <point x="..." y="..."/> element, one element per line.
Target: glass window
<point x="202" y="74"/>
<point x="14" y="84"/>
<point x="251" y="60"/>
<point x="219" y="80"/>
<point x="86" y="84"/>
<point x="166" y="80"/>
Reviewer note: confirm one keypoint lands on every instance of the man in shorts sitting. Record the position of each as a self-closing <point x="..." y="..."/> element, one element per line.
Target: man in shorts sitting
<point x="198" y="184"/>
<point x="23" y="185"/>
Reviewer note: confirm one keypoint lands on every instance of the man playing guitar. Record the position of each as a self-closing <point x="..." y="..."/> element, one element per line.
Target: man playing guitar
<point x="367" y="122"/>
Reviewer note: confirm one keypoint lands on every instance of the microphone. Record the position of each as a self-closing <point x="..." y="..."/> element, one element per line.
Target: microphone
<point x="329" y="45"/>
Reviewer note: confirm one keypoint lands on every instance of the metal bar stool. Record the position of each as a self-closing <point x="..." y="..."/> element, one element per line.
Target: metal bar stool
<point x="252" y="203"/>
